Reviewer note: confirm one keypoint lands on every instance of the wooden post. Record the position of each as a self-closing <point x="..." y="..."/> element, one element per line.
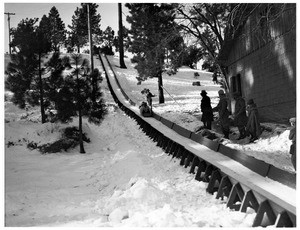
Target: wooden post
<point x="224" y="188"/>
<point x="236" y="194"/>
<point x="215" y="178"/>
<point x="264" y="208"/>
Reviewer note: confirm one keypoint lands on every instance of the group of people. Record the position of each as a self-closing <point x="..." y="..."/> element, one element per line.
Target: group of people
<point x="247" y="125"/>
<point x="245" y="118"/>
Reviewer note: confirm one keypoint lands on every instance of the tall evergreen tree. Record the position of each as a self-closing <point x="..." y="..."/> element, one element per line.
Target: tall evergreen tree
<point x="108" y="36"/>
<point x="20" y="71"/>
<point x="78" y="34"/>
<point x="154" y="34"/>
<point x="25" y="69"/>
<point x="73" y="89"/>
<point x="56" y="31"/>
<point x="57" y="93"/>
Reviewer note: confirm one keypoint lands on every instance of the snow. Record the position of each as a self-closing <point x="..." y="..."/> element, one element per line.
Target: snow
<point x="123" y="180"/>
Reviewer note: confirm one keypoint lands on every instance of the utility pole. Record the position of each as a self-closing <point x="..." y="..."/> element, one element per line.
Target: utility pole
<point x="121" y="46"/>
<point x="90" y="35"/>
<point x="8" y="19"/>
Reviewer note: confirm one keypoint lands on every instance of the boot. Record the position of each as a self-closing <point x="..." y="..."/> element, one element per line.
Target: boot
<point x="242" y="134"/>
<point x="253" y="139"/>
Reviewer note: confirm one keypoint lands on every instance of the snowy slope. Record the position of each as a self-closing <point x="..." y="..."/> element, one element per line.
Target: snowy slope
<point x="123" y="180"/>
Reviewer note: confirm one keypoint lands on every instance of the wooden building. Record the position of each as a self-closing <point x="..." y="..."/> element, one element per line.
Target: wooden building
<point x="260" y="60"/>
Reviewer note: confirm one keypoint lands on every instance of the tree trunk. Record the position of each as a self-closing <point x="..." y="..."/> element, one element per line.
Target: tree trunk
<point x="41" y="92"/>
<point x="79" y="115"/>
<point x="121" y="47"/>
<point x="161" y="98"/>
<point x="80" y="132"/>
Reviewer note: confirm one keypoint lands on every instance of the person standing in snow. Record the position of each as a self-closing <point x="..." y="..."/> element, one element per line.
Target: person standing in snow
<point x="215" y="78"/>
<point x="206" y="109"/>
<point x="253" y="124"/>
<point x="221" y="108"/>
<point x="240" y="116"/>
<point x="292" y="137"/>
<point x="149" y="96"/>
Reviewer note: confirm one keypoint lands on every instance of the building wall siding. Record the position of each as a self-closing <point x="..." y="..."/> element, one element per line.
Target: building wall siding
<point x="268" y="69"/>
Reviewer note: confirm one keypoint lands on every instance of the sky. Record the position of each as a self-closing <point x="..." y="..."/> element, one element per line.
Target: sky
<point x="30" y="9"/>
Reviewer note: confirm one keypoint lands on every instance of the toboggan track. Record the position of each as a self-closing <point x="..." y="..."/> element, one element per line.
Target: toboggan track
<point x="241" y="193"/>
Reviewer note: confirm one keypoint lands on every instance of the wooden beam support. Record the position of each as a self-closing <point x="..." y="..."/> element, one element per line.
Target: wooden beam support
<point x="214" y="181"/>
<point x="236" y="194"/>
<point x="265" y="215"/>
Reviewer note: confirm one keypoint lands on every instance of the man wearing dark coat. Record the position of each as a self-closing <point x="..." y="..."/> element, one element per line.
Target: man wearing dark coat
<point x="221" y="108"/>
<point x="292" y="137"/>
<point x="206" y="109"/>
<point x="240" y="116"/>
<point x="253" y="124"/>
<point x="149" y="96"/>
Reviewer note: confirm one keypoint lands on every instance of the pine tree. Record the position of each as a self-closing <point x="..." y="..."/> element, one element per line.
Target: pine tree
<point x="20" y="71"/>
<point x="108" y="40"/>
<point x="154" y="32"/>
<point x="73" y="89"/>
<point x="25" y="70"/>
<point x="56" y="31"/>
<point x="78" y="34"/>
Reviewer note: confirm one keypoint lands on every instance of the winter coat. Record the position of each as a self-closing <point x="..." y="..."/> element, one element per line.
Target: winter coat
<point x="206" y="109"/>
<point x="221" y="108"/>
<point x="253" y="124"/>
<point x="292" y="137"/>
<point x="149" y="98"/>
<point x="240" y="118"/>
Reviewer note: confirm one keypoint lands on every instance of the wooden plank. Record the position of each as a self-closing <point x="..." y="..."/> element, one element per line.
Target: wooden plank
<point x="196" y="137"/>
<point x="156" y="116"/>
<point x="213" y="145"/>
<point x="282" y="176"/>
<point x="182" y="131"/>
<point x="252" y="163"/>
<point x="167" y="123"/>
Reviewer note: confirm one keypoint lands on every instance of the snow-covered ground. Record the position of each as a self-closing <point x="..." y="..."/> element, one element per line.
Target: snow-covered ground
<point x="123" y="180"/>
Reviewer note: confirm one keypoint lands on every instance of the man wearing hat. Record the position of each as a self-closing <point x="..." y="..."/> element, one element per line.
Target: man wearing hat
<point x="221" y="108"/>
<point x="292" y="137"/>
<point x="206" y="109"/>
